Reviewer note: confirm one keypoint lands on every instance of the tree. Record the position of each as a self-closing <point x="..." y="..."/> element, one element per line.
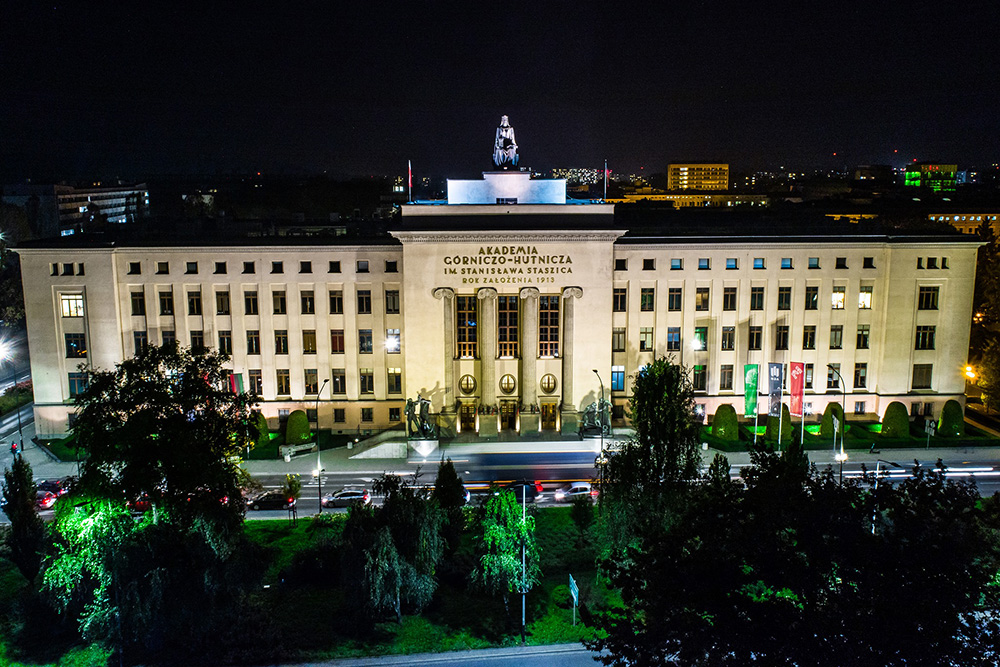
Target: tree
<point x="582" y="514"/>
<point x="297" y="428"/>
<point x="895" y="421"/>
<point x="27" y="538"/>
<point x="13" y="228"/>
<point x="989" y="375"/>
<point x="449" y="493"/>
<point x="292" y="488"/>
<point x="952" y="421"/>
<point x="263" y="431"/>
<point x="725" y="424"/>
<point x="833" y="410"/>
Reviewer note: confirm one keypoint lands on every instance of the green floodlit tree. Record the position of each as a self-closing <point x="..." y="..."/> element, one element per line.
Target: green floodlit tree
<point x="449" y="493"/>
<point x="989" y="375"/>
<point x="26" y="540"/>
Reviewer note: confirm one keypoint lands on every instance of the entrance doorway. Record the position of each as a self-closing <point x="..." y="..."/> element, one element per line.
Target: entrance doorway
<point x="508" y="415"/>
<point x="467" y="418"/>
<point x="548" y="416"/>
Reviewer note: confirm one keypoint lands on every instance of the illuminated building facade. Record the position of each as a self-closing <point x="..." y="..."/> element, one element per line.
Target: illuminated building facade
<point x="937" y="177"/>
<point x="697" y="176"/>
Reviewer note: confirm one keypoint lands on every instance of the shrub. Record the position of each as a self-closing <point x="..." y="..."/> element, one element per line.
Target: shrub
<point x="560" y="596"/>
<point x="952" y="422"/>
<point x="259" y="421"/>
<point x="725" y="425"/>
<point x="826" y="425"/>
<point x="297" y="428"/>
<point x="895" y="421"/>
<point x="771" y="431"/>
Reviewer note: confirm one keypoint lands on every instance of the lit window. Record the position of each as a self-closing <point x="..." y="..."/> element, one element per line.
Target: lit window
<point x="392" y="341"/>
<point x="865" y="297"/>
<point x="837" y="297"/>
<point x="617" y="378"/>
<point x="548" y="383"/>
<point x="507" y="384"/>
<point x="72" y="305"/>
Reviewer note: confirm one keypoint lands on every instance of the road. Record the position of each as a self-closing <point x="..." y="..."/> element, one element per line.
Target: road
<point x="558" y="655"/>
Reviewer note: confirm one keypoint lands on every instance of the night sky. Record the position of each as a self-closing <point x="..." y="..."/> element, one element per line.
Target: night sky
<point x="360" y="87"/>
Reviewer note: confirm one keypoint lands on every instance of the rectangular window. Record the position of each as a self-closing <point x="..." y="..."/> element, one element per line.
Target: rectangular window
<point x="198" y="341"/>
<point x="77" y="384"/>
<point x="334" y="267"/>
<point x="507" y="326"/>
<point x="925" y="338"/>
<point x="392" y="302"/>
<point x="676" y="264"/>
<point x="194" y="303"/>
<point x="394" y="381"/>
<point x="284" y="382"/>
<point x="621" y="264"/>
<point x="362" y="266"/>
<point x="837" y="297"/>
<point x="781" y="337"/>
<point x="728" y="298"/>
<point x="928" y="299"/>
<point x="698" y="378"/>
<point x="812" y="297"/>
<point x="248" y="268"/>
<point x="865" y="297"/>
<point x="841" y="263"/>
<point x="279" y="302"/>
<point x="809" y="337"/>
<point x="701" y="296"/>
<point x="336" y="302"/>
<point x="784" y="298"/>
<point x="364" y="302"/>
<point x="649" y="265"/>
<point x="859" y="407"/>
<point x="365" y="341"/>
<point x="311" y="379"/>
<point x="674" y="295"/>
<point x="166" y="303"/>
<point x="222" y="303"/>
<point x="305" y="267"/>
<point x="728" y="338"/>
<point x="704" y="264"/>
<point x="756" y="298"/>
<point x="226" y="342"/>
<point x="754" y="339"/>
<point x="758" y="262"/>
<point x="869" y="263"/>
<point x="134" y="269"/>
<point x="367" y="414"/>
<point x="860" y="376"/>
<point x="701" y="338"/>
<point x="139" y="304"/>
<point x="833" y="376"/>
<point x="646" y="339"/>
<point x="673" y="339"/>
<point x="836" y="337"/>
<point x="72" y="305"/>
<point x="250" y="304"/>
<point x="732" y="264"/>
<point x="922" y="376"/>
<point x="548" y="326"/>
<point x="814" y="262"/>
<point x="394" y="414"/>
<point x="932" y="262"/>
<point x="191" y="268"/>
<point x="336" y="341"/>
<point x="308" y="302"/>
<point x="162" y="268"/>
<point x="617" y="378"/>
<point x="76" y="346"/>
<point x="808" y="383"/>
<point x="67" y="269"/>
<point x="366" y="379"/>
<point x="391" y="266"/>
<point x="256" y="382"/>
<point x="141" y="341"/>
<point x="220" y="268"/>
<point x="253" y="342"/>
<point x="726" y="377"/>
<point x="786" y="262"/>
<point x="339" y="415"/>
<point x="618" y="339"/>
<point x="468" y="314"/>
<point x="619" y="298"/>
<point x="309" y="341"/>
<point x="277" y="267"/>
<point x="646" y="299"/>
<point x="864" y="335"/>
<point x="338" y="381"/>
<point x="169" y="337"/>
<point x="393" y="341"/>
<point x="281" y="341"/>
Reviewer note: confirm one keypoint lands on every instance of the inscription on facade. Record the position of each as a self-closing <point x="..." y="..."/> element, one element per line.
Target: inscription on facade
<point x="507" y="265"/>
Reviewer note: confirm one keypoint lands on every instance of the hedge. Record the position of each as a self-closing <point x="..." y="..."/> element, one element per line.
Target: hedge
<point x="259" y="422"/>
<point x="297" y="428"/>
<point x="826" y="425"/>
<point x="771" y="431"/>
<point x="952" y="422"/>
<point x="725" y="425"/>
<point x="895" y="421"/>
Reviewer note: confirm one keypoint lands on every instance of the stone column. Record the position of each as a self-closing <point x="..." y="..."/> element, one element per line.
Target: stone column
<point x="529" y="345"/>
<point x="447" y="296"/>
<point x="570" y="421"/>
<point x="486" y="334"/>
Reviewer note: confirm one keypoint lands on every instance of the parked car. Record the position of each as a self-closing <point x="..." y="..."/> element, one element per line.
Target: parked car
<point x="526" y="490"/>
<point x="567" y="493"/>
<point x="347" y="497"/>
<point x="44" y="500"/>
<point x="57" y="486"/>
<point x="270" y="500"/>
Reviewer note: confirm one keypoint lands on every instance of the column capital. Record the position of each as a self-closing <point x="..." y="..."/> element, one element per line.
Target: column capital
<point x="484" y="293"/>
<point x="443" y="293"/>
<point x="572" y="292"/>
<point x="529" y="293"/>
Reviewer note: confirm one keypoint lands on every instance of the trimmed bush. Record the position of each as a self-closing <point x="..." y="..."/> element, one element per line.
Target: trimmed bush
<point x="725" y="425"/>
<point x="895" y="421"/>
<point x="826" y="425"/>
<point x="259" y="422"/>
<point x="297" y="428"/>
<point x="771" y="431"/>
<point x="560" y="596"/>
<point x="952" y="422"/>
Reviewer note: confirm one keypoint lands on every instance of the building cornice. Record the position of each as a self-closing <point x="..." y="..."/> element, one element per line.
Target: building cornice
<point x="507" y="237"/>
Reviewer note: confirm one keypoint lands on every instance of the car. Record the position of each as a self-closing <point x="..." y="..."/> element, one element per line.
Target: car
<point x="526" y="490"/>
<point x="569" y="492"/>
<point x="140" y="504"/>
<point x="347" y="497"/>
<point x="270" y="500"/>
<point x="57" y="486"/>
<point x="44" y="500"/>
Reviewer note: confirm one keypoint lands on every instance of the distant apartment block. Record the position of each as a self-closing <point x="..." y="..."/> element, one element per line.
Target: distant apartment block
<point x="55" y="210"/>
<point x="937" y="177"/>
<point x="968" y="223"/>
<point x="698" y="176"/>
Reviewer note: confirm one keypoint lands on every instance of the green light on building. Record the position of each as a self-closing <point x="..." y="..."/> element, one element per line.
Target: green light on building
<point x="936" y="177"/>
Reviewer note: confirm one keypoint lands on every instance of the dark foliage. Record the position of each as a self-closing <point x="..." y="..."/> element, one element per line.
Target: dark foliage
<point x="27" y="539"/>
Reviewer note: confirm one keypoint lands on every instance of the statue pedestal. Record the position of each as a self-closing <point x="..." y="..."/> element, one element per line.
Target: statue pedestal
<point x="570" y="423"/>
<point x="488" y="426"/>
<point x="529" y="422"/>
<point x="423" y="448"/>
<point x="446" y="424"/>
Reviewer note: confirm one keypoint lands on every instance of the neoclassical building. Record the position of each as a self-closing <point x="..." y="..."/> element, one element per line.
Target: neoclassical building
<point x="500" y="304"/>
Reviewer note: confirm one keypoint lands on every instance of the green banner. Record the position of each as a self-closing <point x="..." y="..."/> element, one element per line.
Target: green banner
<point x="750" y="389"/>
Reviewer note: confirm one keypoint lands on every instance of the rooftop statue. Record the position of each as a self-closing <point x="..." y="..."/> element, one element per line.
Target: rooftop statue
<point x="505" y="148"/>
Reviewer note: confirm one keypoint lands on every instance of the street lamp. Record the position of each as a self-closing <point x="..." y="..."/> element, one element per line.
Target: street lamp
<point x="841" y="455"/>
<point x="7" y="354"/>
<point x="319" y="461"/>
<point x="878" y="463"/>
<point x="600" y="412"/>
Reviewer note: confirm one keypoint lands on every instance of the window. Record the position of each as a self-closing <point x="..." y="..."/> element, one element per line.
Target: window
<point x="865" y="297"/>
<point x="338" y="381"/>
<point x="250" y="304"/>
<point x="393" y="342"/>
<point x="256" y="382"/>
<point x="673" y="339"/>
<point x="364" y="302"/>
<point x="932" y="263"/>
<point x="226" y="342"/>
<point x="466" y="308"/>
<point x="169" y="337"/>
<point x="277" y="267"/>
<point x="141" y="341"/>
<point x="864" y="334"/>
<point x="548" y="383"/>
<point x="812" y="297"/>
<point x="72" y="305"/>
<point x="191" y="268"/>
<point x="134" y="268"/>
<point x="784" y="298"/>
<point x="922" y="376"/>
<point x="248" y="268"/>
<point x="618" y="339"/>
<point x="77" y="384"/>
<point x="836" y="337"/>
<point x="646" y="339"/>
<point x="222" y="303"/>
<point x="67" y="269"/>
<point x="701" y="338"/>
<point x="334" y="267"/>
<point x="619" y="298"/>
<point x="279" y="302"/>
<point x="701" y="295"/>
<point x="281" y="341"/>
<point x="869" y="263"/>
<point x="925" y="338"/>
<point x="362" y="266"/>
<point x="138" y="303"/>
<point x="391" y="266"/>
<point x="756" y="298"/>
<point x="162" y="268"/>
<point x="368" y="414"/>
<point x="507" y="325"/>
<point x="309" y="341"/>
<point x="284" y="382"/>
<point x="728" y="298"/>
<point x="305" y="267"/>
<point x="786" y="262"/>
<point x="646" y="299"/>
<point x="365" y="341"/>
<point x="928" y="298"/>
<point x="311" y="380"/>
<point x="704" y="264"/>
<point x="859" y="407"/>
<point x="220" y="268"/>
<point x="809" y="337"/>
<point x="676" y="264"/>
<point x="860" y="376"/>
<point x="754" y="341"/>
<point x="841" y="263"/>
<point x="394" y="381"/>
<point x="621" y="265"/>
<point x="76" y="346"/>
<point x="198" y="341"/>
<point x="674" y="298"/>
<point x="758" y="262"/>
<point x="732" y="263"/>
<point x="307" y="300"/>
<point x="781" y="337"/>
<point x="837" y="297"/>
<point x="507" y="383"/>
<point x="395" y="414"/>
<point x="814" y="262"/>
<point x="649" y="265"/>
<point x="617" y="378"/>
<point x="808" y="382"/>
<point x="336" y="341"/>
<point x="253" y="342"/>
<point x="336" y="302"/>
<point x="311" y="414"/>
<point x="366" y="379"/>
<point x="467" y="384"/>
<point x="698" y="378"/>
<point x="194" y="303"/>
<point x="392" y="302"/>
<point x="726" y="377"/>
<point x="548" y="326"/>
<point x="833" y="376"/>
<point x="728" y="338"/>
<point x="339" y="415"/>
<point x="166" y="303"/>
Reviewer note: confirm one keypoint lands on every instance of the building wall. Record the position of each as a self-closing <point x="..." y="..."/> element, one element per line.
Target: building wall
<point x="698" y="176"/>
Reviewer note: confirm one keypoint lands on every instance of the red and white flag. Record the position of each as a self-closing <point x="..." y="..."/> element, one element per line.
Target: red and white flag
<point x="798" y="372"/>
<point x="409" y="172"/>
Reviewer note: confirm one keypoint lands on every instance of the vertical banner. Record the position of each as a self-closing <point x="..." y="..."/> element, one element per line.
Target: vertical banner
<point x="750" y="390"/>
<point x="774" y="373"/>
<point x="797" y="370"/>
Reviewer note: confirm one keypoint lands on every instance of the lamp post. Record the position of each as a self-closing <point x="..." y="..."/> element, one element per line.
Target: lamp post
<point x="841" y="455"/>
<point x="7" y="354"/>
<point x="600" y="412"/>
<point x="319" y="461"/>
<point x="878" y="470"/>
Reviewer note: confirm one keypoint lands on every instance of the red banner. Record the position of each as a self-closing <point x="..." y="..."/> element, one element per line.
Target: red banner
<point x="798" y="372"/>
